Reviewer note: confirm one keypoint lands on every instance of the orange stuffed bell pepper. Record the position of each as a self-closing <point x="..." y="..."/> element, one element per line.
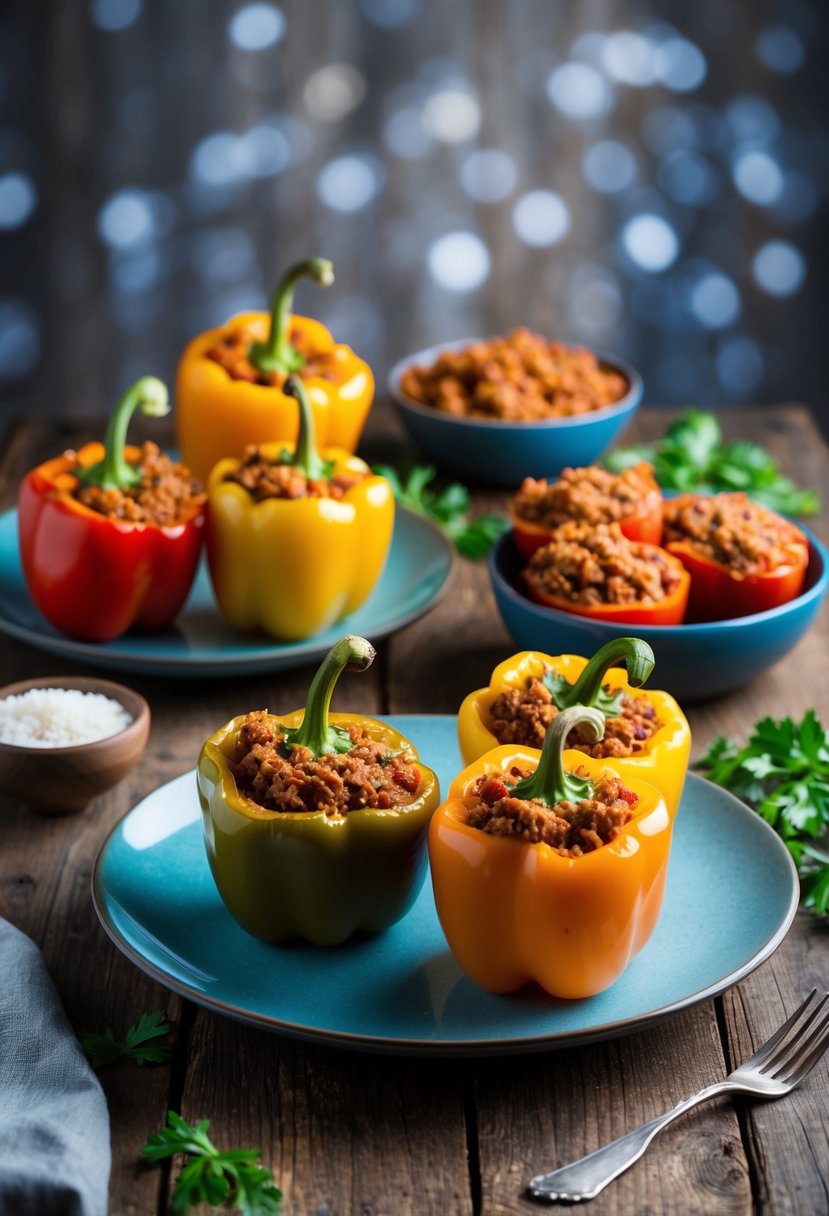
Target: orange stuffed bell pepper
<point x="645" y="735"/>
<point x="230" y="382"/>
<point x="296" y="539"/>
<point x="110" y="536"/>
<point x="548" y="866"/>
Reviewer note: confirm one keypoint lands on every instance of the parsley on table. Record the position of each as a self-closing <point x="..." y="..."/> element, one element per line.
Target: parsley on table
<point x="105" y="1049"/>
<point x="692" y="457"/>
<point x="783" y="772"/>
<point x="472" y="536"/>
<point x="211" y="1175"/>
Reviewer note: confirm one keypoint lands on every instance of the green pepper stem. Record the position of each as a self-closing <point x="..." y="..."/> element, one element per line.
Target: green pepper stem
<point x="306" y="458"/>
<point x="639" y="661"/>
<point x="315" y="731"/>
<point x="551" y="783"/>
<point x="114" y="472"/>
<point x="276" y="353"/>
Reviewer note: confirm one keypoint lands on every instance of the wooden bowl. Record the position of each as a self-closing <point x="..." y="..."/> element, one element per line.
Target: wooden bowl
<point x="60" y="780"/>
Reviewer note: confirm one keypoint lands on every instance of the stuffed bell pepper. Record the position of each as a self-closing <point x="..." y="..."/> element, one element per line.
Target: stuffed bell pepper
<point x="549" y="866"/>
<point x="595" y="571"/>
<point x="230" y="382"/>
<point x="315" y="823"/>
<point x="110" y="535"/>
<point x="742" y="557"/>
<point x="645" y="733"/>
<point x="296" y="539"/>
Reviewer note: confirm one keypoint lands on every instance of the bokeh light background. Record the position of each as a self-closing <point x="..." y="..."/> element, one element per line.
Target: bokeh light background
<point x="645" y="178"/>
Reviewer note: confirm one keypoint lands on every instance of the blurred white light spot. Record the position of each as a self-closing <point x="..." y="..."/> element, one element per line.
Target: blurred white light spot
<point x="18" y="198"/>
<point x="221" y="160"/>
<point x="256" y="27"/>
<point x="758" y="177"/>
<point x="388" y="13"/>
<point x="541" y="217"/>
<point x="349" y="183"/>
<point x="740" y="364"/>
<point x="629" y="58"/>
<point x="579" y="91"/>
<point x="688" y="178"/>
<point x="753" y="118"/>
<point x="780" y="49"/>
<point x="405" y="135"/>
<point x="19" y="339"/>
<point x="451" y="115"/>
<point x="779" y="268"/>
<point x="334" y="91"/>
<point x="459" y="261"/>
<point x="265" y="150"/>
<point x="680" y="65"/>
<point x="650" y="242"/>
<point x="127" y="219"/>
<point x="715" y="301"/>
<point x="609" y="166"/>
<point x="114" y="15"/>
<point x="489" y="176"/>
<point x="665" y="129"/>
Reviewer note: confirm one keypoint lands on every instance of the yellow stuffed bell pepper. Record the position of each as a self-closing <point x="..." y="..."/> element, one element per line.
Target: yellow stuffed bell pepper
<point x="230" y="385"/>
<point x="513" y="910"/>
<point x="661" y="758"/>
<point x="296" y="539"/>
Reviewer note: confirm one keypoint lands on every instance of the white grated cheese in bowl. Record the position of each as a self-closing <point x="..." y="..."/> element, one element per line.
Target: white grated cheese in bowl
<point x="59" y="717"/>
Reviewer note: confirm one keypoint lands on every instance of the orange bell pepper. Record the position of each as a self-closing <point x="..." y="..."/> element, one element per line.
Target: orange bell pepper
<point x="219" y="412"/>
<point x="513" y="911"/>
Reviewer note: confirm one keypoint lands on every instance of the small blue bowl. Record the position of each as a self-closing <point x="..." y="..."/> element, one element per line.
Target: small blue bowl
<point x="504" y="453"/>
<point x="692" y="661"/>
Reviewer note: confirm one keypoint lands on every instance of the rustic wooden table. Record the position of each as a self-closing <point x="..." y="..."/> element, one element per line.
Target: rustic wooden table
<point x="350" y="1133"/>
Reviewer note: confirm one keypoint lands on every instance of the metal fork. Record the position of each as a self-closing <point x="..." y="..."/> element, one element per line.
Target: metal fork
<point x="774" y="1070"/>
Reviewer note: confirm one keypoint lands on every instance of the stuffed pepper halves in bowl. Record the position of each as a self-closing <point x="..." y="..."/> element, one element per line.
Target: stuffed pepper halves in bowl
<point x="315" y="824"/>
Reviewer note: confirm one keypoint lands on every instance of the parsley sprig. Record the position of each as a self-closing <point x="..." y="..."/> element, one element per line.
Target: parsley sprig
<point x="783" y="772"/>
<point x="472" y="536"/>
<point x="104" y="1049"/>
<point x="211" y="1175"/>
<point x="692" y="456"/>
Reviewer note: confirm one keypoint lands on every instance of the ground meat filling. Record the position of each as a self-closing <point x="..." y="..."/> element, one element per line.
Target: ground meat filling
<point x="231" y="353"/>
<point x="167" y="494"/>
<point x="592" y="494"/>
<point x="522" y="716"/>
<point x="570" y="828"/>
<point x="519" y="377"/>
<point x="598" y="565"/>
<point x="262" y="478"/>
<point x="369" y="776"/>
<point x="733" y="530"/>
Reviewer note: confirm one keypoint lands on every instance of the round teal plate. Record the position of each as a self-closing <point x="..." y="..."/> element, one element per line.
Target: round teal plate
<point x="731" y="895"/>
<point x="200" y="643"/>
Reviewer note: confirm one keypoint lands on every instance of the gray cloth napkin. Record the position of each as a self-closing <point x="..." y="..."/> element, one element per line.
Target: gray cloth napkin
<point x="54" y="1123"/>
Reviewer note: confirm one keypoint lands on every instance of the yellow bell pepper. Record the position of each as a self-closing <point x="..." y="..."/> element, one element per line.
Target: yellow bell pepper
<point x="221" y="407"/>
<point x="663" y="761"/>
<point x="514" y="911"/>
<point x="295" y="566"/>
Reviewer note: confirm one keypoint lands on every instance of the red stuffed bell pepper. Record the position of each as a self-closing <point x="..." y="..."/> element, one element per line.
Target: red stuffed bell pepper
<point x="110" y="535"/>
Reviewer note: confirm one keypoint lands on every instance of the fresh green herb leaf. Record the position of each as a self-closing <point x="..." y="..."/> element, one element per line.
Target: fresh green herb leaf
<point x="473" y="537"/>
<point x="211" y="1175"/>
<point x="105" y="1049"/>
<point x="783" y="772"/>
<point x="692" y="457"/>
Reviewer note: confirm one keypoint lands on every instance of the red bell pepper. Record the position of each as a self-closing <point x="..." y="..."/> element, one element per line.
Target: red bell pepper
<point x="91" y="575"/>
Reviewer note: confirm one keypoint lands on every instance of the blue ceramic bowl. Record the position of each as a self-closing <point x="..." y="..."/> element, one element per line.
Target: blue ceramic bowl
<point x="692" y="661"/>
<point x="504" y="453"/>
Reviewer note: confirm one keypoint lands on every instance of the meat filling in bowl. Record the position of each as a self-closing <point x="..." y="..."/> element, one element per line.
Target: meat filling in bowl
<point x="733" y="530"/>
<point x="570" y="828"/>
<point x="519" y="377"/>
<point x="263" y="478"/>
<point x="584" y="564"/>
<point x="592" y="494"/>
<point x="370" y="776"/>
<point x="522" y="715"/>
<point x="167" y="494"/>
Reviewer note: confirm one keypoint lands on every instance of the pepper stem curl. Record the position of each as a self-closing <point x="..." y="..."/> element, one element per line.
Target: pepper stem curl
<point x="114" y="472"/>
<point x="589" y="687"/>
<point x="315" y="731"/>
<point x="276" y="353"/>
<point x="551" y="783"/>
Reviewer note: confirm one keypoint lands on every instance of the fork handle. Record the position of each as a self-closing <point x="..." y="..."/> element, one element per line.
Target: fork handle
<point x="585" y="1178"/>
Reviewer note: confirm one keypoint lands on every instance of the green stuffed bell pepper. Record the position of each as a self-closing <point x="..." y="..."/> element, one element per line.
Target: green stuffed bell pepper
<point x="315" y="823"/>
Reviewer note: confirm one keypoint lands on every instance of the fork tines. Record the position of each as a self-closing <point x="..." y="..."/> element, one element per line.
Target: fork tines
<point x="787" y="1057"/>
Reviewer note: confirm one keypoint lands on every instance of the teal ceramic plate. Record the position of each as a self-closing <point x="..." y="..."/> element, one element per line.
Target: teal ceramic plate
<point x="731" y="895"/>
<point x="200" y="643"/>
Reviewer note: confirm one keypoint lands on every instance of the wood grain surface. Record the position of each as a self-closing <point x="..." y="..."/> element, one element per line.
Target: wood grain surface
<point x="347" y="1133"/>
